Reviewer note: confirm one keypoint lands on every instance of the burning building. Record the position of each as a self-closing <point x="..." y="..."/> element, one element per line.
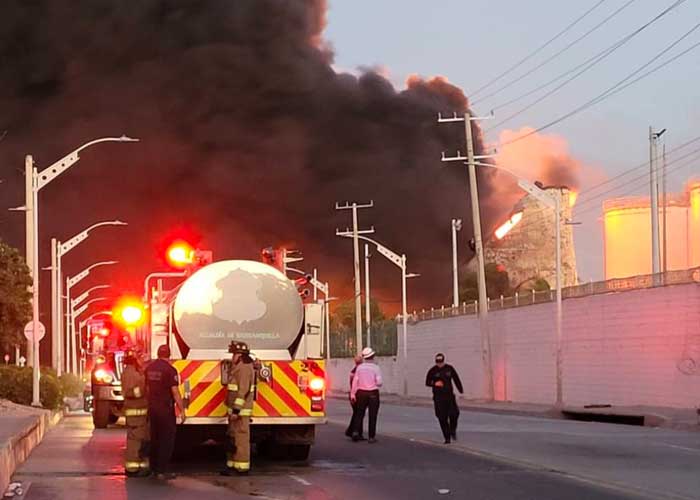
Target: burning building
<point x="525" y="243"/>
<point x="627" y="233"/>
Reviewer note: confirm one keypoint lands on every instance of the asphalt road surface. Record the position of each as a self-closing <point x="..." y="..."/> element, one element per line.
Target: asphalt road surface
<point x="77" y="462"/>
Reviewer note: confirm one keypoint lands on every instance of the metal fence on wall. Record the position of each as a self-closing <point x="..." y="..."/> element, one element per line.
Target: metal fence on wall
<point x="593" y="288"/>
<point x="382" y="338"/>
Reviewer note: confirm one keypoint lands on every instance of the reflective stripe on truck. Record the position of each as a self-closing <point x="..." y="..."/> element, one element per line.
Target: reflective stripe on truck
<point x="286" y="392"/>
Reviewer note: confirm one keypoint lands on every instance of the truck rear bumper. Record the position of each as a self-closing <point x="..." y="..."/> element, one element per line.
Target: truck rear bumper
<point x="107" y="393"/>
<point x="259" y="420"/>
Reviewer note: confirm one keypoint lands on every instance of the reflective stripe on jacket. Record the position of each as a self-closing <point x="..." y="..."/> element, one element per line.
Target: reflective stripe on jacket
<point x="134" y="390"/>
<point x="241" y="389"/>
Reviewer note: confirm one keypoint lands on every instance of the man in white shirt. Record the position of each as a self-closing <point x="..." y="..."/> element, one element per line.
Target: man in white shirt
<point x="365" y="394"/>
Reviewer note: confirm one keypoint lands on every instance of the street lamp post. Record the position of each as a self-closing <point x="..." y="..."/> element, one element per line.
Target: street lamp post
<point x="34" y="182"/>
<point x="58" y="250"/>
<point x="367" y="302"/>
<point x="456" y="226"/>
<point x="399" y="261"/>
<point x="553" y="201"/>
<point x="71" y="362"/>
<point x="74" y="314"/>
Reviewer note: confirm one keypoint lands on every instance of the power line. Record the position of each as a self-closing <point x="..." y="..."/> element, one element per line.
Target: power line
<point x="538" y="50"/>
<point x="548" y="60"/>
<point x="643" y="164"/>
<point x="592" y="62"/>
<point x="541" y="214"/>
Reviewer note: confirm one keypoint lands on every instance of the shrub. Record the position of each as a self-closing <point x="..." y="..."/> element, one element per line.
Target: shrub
<point x="16" y="385"/>
<point x="71" y="385"/>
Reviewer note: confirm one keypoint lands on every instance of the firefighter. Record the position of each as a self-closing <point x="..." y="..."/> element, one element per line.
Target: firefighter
<point x="136" y="461"/>
<point x="239" y="399"/>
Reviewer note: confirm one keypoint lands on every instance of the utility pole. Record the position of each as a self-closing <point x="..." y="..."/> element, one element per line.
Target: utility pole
<point x="456" y="226"/>
<point x="654" y="201"/>
<point x="356" y="259"/>
<point x="55" y="310"/>
<point x="471" y="161"/>
<point x="367" y="303"/>
<point x="665" y="208"/>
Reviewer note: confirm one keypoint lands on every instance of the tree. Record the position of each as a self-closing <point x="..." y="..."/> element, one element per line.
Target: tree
<point x="15" y="298"/>
<point x="344" y="314"/>
<point x="497" y="283"/>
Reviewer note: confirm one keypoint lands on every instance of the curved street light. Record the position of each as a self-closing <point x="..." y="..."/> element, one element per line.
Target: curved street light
<point x="34" y="181"/>
<point x="70" y="329"/>
<point x="399" y="261"/>
<point x="58" y="250"/>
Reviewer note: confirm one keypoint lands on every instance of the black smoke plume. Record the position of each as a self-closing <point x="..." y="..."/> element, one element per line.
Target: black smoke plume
<point x="248" y="137"/>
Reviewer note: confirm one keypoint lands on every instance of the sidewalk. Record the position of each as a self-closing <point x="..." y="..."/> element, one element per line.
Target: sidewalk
<point x="671" y="418"/>
<point x="21" y="429"/>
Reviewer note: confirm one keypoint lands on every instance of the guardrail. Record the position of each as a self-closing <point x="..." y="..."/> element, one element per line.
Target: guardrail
<point x="533" y="297"/>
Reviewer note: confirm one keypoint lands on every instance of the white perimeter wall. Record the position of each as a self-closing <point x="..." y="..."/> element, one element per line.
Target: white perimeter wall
<point x="620" y="348"/>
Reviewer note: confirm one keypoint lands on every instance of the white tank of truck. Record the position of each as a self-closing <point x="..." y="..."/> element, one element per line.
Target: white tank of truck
<point x="238" y="300"/>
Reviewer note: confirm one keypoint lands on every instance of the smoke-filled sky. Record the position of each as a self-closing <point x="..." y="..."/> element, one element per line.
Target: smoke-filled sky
<point x="452" y="37"/>
<point x="248" y="134"/>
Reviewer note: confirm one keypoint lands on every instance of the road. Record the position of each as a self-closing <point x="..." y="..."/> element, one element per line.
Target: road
<point x="76" y="462"/>
<point x="658" y="463"/>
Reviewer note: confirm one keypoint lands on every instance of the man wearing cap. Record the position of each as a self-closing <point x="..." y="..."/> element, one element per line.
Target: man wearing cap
<point x="365" y="394"/>
<point x="162" y="392"/>
<point x="239" y="399"/>
<point x="440" y="378"/>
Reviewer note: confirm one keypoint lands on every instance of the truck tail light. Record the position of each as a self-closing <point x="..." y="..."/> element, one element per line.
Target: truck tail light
<point x="317" y="385"/>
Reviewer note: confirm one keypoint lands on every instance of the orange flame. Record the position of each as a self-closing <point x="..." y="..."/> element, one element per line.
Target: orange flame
<point x="506" y="227"/>
<point x="573" y="196"/>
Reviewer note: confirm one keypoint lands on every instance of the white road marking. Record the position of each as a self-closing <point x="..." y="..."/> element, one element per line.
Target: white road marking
<point x="300" y="480"/>
<point x="694" y="450"/>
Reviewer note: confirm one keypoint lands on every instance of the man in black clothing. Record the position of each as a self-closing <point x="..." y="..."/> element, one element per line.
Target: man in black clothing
<point x="440" y="378"/>
<point x="162" y="393"/>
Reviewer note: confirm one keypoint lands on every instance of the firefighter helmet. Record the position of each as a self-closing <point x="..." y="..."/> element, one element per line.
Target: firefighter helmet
<point x="236" y="347"/>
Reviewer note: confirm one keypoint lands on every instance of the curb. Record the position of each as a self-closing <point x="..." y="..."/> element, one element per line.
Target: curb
<point x="551" y="413"/>
<point x="16" y="450"/>
<point x="649" y="418"/>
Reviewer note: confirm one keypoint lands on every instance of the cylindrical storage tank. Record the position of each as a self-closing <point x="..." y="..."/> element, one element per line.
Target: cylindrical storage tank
<point x="694" y="224"/>
<point x="627" y="237"/>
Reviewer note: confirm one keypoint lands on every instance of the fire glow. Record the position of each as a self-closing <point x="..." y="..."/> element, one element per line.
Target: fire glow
<point x="573" y="195"/>
<point x="506" y="227"/>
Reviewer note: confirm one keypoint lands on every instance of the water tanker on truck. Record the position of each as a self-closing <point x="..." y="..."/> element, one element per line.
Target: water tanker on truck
<point x="255" y="303"/>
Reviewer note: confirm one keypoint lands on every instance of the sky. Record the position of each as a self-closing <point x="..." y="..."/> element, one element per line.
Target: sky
<point x="470" y="43"/>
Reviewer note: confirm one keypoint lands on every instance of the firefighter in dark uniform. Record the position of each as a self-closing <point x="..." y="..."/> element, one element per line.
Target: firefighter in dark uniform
<point x="440" y="377"/>
<point x="162" y="393"/>
<point x="239" y="399"/>
<point x="136" y="462"/>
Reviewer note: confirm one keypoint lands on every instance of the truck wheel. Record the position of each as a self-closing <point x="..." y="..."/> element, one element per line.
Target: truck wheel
<point x="298" y="452"/>
<point x="100" y="414"/>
